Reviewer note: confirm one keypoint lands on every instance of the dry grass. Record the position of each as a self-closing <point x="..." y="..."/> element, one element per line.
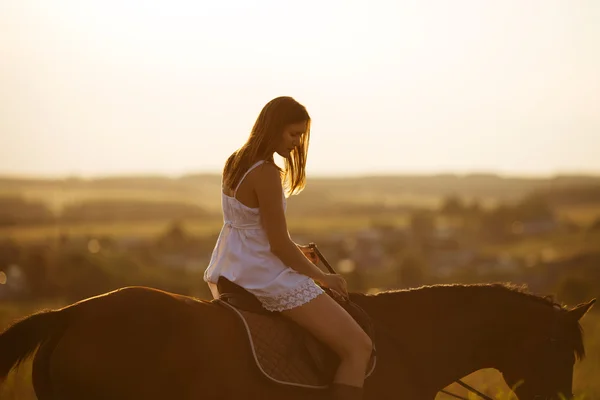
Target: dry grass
<point x="18" y="383"/>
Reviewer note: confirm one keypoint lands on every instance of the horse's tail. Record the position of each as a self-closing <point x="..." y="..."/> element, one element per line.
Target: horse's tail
<point x="23" y="337"/>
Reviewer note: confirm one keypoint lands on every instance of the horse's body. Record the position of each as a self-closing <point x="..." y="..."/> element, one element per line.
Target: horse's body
<point x="141" y="343"/>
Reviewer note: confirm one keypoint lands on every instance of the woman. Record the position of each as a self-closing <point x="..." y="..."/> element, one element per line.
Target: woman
<point x="255" y="251"/>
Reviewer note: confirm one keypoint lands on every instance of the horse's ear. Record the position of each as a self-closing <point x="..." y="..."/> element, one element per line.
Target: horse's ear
<point x="579" y="311"/>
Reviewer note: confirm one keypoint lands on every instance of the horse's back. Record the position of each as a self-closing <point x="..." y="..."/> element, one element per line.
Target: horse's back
<point x="137" y="298"/>
<point x="162" y="342"/>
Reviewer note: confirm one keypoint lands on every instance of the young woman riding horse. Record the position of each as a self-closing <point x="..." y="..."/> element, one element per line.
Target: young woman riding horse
<point x="255" y="251"/>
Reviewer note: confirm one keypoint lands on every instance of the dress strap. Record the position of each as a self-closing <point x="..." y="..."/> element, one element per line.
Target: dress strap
<point x="256" y="164"/>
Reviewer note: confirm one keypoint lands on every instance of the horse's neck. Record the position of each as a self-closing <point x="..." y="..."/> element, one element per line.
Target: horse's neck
<point x="446" y="336"/>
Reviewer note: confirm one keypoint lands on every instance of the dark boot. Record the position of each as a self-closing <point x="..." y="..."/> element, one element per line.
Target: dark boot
<point x="339" y="391"/>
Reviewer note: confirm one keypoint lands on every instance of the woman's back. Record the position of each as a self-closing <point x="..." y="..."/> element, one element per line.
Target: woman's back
<point x="235" y="212"/>
<point x="243" y="255"/>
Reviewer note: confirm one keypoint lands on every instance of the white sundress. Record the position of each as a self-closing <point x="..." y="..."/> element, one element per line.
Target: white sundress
<point x="242" y="254"/>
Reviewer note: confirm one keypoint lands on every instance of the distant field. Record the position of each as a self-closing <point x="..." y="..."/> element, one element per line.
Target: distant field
<point x="582" y="214"/>
<point x="154" y="228"/>
<point x="586" y="384"/>
<point x="375" y="193"/>
<point x="203" y="189"/>
<point x="209" y="199"/>
<point x="57" y="199"/>
<point x="550" y="247"/>
<point x="117" y="230"/>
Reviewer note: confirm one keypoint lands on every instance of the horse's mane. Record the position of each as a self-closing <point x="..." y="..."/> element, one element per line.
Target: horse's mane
<point x="575" y="337"/>
<point x="521" y="290"/>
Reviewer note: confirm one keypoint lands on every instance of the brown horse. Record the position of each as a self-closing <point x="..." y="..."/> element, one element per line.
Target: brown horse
<point x="142" y="343"/>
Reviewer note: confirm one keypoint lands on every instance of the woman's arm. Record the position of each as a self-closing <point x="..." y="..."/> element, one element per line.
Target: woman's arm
<point x="267" y="184"/>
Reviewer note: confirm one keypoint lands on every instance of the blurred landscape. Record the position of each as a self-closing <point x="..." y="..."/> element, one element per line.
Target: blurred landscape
<point x="67" y="239"/>
<point x="451" y="142"/>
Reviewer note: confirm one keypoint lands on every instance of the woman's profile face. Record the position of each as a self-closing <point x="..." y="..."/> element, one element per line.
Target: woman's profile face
<point x="290" y="138"/>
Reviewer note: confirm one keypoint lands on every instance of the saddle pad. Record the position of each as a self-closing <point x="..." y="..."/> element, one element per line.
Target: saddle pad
<point x="281" y="350"/>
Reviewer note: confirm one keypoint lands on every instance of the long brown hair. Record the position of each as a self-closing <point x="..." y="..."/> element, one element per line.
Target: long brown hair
<point x="263" y="140"/>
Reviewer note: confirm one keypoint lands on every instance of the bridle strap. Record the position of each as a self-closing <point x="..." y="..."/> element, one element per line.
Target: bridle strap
<point x="472" y="389"/>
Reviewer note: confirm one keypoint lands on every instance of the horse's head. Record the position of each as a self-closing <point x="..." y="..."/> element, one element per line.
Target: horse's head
<point x="541" y="367"/>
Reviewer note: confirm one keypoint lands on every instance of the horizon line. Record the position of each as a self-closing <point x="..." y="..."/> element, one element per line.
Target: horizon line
<point x="407" y="173"/>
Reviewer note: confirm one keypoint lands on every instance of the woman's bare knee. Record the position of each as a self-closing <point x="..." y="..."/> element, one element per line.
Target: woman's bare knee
<point x="358" y="346"/>
<point x="366" y="344"/>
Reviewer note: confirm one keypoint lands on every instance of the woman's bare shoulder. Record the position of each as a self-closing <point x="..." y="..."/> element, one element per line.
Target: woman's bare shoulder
<point x="268" y="170"/>
<point x="267" y="178"/>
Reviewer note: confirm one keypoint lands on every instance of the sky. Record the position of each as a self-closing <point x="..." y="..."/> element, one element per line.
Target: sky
<point x="96" y="88"/>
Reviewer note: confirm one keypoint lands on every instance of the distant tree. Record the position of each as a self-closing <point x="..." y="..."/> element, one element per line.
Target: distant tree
<point x="174" y="236"/>
<point x="533" y="207"/>
<point x="412" y="270"/>
<point x="576" y="289"/>
<point x="130" y="210"/>
<point x="9" y="252"/>
<point x="475" y="207"/>
<point x="496" y="224"/>
<point x="15" y="210"/>
<point x="595" y="226"/>
<point x="505" y="220"/>
<point x="453" y="206"/>
<point x="422" y="225"/>
<point x="571" y="194"/>
<point x="35" y="264"/>
<point x="356" y="280"/>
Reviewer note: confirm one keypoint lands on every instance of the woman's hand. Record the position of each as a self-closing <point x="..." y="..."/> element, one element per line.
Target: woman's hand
<point x="336" y="283"/>
<point x="309" y="253"/>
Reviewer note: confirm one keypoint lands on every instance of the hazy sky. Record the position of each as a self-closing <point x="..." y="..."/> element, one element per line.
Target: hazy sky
<point x="128" y="87"/>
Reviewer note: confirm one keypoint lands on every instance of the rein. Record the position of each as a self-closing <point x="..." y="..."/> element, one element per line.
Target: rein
<point x="314" y="247"/>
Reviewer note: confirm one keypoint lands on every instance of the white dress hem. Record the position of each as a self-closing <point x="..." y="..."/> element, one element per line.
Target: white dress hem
<point x="295" y="297"/>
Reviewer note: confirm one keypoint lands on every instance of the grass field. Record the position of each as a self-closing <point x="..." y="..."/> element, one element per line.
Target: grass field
<point x="581" y="214"/>
<point x="148" y="229"/>
<point x="586" y="375"/>
<point x="550" y="247"/>
<point x="57" y="199"/>
<point x="18" y="384"/>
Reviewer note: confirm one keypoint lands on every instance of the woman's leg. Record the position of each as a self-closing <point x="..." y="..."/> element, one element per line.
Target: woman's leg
<point x="330" y="323"/>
